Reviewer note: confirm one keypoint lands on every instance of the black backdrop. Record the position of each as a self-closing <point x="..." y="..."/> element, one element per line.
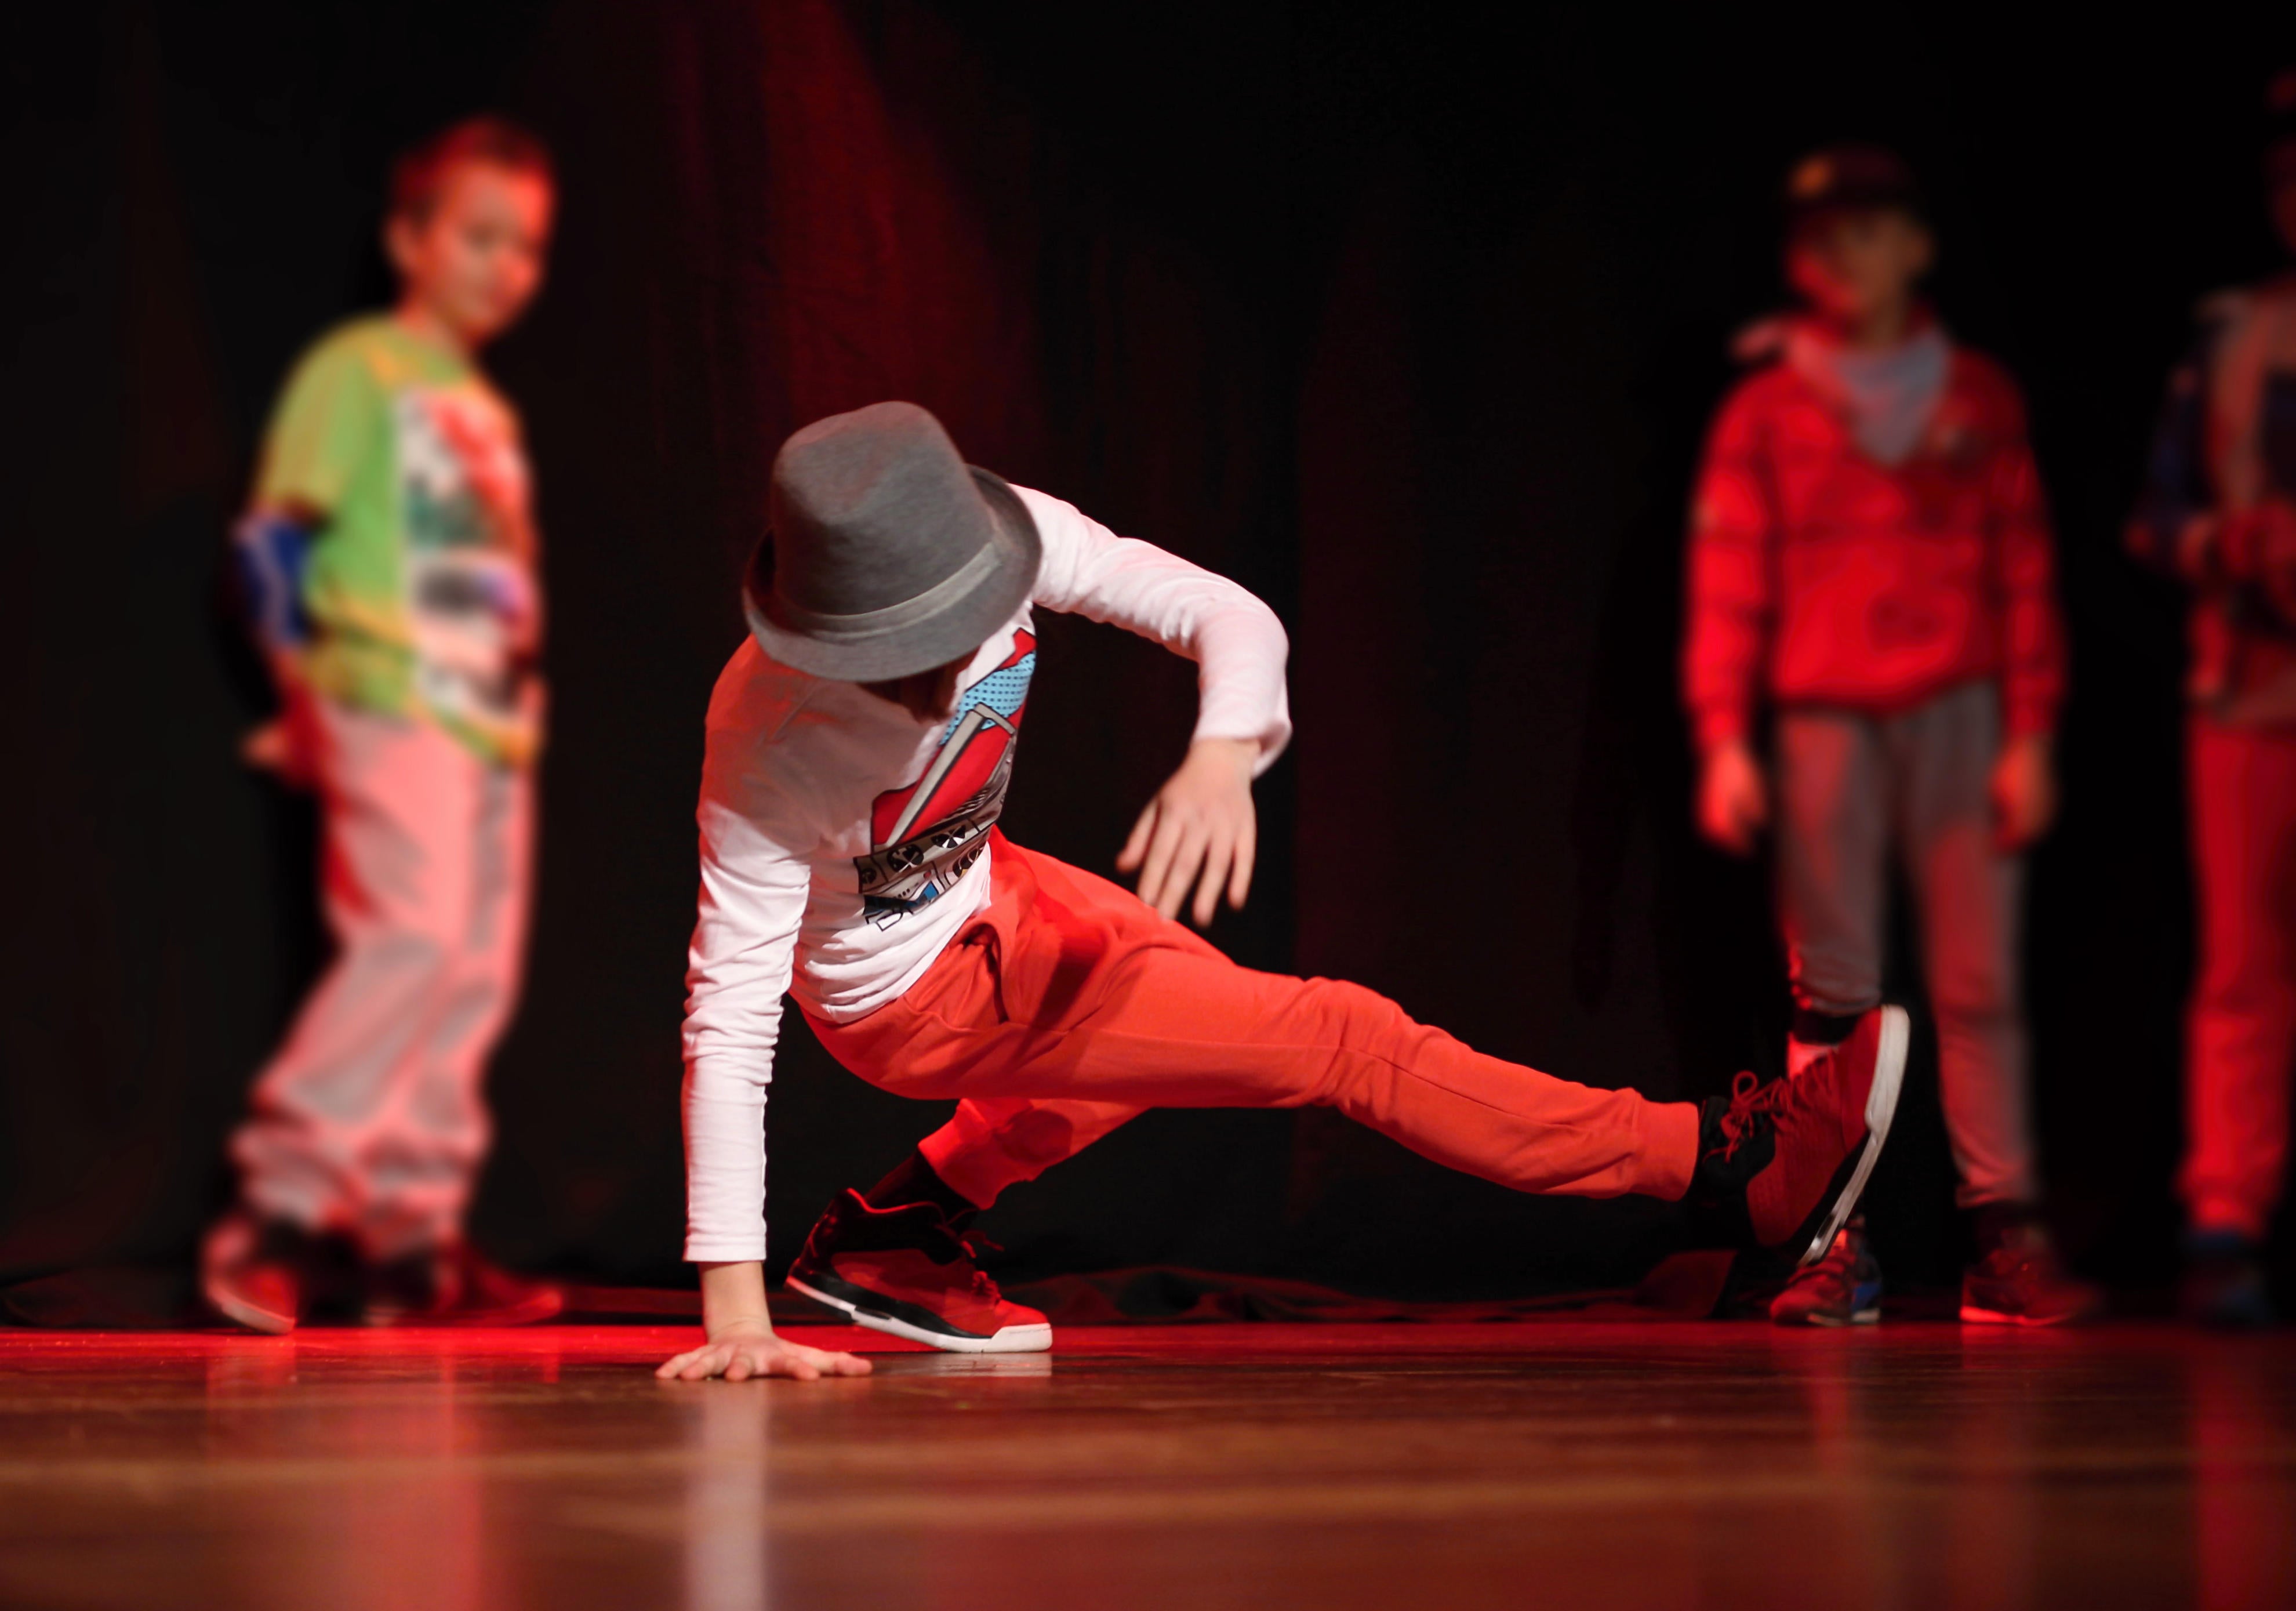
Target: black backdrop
<point x="1408" y="318"/>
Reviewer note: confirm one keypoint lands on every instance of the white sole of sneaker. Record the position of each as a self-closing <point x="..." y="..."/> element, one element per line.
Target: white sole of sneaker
<point x="1881" y="1108"/>
<point x="1971" y="1315"/>
<point x="247" y="1314"/>
<point x="1009" y="1339"/>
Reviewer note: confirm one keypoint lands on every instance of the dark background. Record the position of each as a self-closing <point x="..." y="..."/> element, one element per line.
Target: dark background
<point x="1407" y="316"/>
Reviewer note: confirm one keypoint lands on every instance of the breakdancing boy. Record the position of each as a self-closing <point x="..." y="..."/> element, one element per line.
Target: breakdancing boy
<point x="860" y="750"/>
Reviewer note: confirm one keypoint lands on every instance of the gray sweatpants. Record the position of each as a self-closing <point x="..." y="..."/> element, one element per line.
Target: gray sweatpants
<point x="1852" y="790"/>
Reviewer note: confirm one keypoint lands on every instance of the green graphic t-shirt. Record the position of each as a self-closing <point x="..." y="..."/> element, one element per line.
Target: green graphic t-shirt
<point x="421" y="586"/>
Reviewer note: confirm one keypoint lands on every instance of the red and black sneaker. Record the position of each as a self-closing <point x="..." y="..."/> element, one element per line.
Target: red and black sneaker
<point x="1786" y="1161"/>
<point x="2020" y="1281"/>
<point x="905" y="1271"/>
<point x="454" y="1284"/>
<point x="268" y="1275"/>
<point x="1843" y="1288"/>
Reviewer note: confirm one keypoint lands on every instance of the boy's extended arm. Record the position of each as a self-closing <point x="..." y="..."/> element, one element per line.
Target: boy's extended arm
<point x="1239" y="646"/>
<point x="1200" y="831"/>
<point x="754" y="883"/>
<point x="752" y="900"/>
<point x="741" y="1340"/>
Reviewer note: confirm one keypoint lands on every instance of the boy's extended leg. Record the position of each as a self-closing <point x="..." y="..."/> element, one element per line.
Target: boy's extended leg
<point x="1071" y="988"/>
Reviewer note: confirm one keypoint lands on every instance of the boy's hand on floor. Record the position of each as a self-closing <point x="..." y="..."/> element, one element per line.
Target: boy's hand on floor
<point x="2024" y="791"/>
<point x="1200" y="831"/>
<point x="1733" y="797"/>
<point x="752" y="1348"/>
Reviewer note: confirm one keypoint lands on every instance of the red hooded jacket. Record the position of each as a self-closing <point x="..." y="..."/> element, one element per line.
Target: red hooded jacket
<point x="1820" y="576"/>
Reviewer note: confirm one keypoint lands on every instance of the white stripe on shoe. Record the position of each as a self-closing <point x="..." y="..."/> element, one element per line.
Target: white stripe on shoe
<point x="1881" y="1108"/>
<point x="1007" y="1339"/>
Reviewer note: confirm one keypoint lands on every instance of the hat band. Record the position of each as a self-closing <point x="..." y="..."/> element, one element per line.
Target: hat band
<point x="890" y="618"/>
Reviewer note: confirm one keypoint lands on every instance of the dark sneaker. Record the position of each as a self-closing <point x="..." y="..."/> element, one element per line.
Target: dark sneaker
<point x="1786" y="1161"/>
<point x="904" y="1271"/>
<point x="2225" y="1284"/>
<point x="267" y="1275"/>
<point x="454" y="1285"/>
<point x="1843" y="1288"/>
<point x="2021" y="1282"/>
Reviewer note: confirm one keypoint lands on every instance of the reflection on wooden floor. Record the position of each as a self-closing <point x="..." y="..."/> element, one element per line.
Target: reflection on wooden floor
<point x="1553" y="1465"/>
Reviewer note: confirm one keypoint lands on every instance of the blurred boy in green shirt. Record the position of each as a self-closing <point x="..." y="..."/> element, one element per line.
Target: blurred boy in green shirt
<point x="389" y="562"/>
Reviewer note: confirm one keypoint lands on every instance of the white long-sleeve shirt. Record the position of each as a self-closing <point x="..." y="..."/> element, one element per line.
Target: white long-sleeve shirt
<point x="844" y="842"/>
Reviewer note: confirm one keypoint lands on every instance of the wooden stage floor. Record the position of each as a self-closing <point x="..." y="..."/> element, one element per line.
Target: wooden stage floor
<point x="1549" y="1465"/>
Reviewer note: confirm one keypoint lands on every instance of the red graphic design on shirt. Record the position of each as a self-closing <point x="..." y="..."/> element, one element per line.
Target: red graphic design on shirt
<point x="923" y="836"/>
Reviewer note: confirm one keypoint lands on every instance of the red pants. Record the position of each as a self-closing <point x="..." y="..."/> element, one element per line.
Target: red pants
<point x="1067" y="1006"/>
<point x="2241" y="1030"/>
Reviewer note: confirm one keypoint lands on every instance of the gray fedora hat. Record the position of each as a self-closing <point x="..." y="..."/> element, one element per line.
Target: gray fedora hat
<point x="885" y="553"/>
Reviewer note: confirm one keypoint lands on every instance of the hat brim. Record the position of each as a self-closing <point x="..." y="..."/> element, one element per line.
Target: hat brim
<point x="874" y="651"/>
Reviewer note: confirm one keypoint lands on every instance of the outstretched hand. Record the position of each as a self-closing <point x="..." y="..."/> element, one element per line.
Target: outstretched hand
<point x="1199" y="832"/>
<point x="751" y="1349"/>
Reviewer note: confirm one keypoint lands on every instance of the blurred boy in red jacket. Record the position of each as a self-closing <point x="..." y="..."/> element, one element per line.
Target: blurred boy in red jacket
<point x="1870" y="556"/>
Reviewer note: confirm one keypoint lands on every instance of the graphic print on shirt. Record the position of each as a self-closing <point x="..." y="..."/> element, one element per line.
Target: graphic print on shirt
<point x="472" y="598"/>
<point x="922" y="838"/>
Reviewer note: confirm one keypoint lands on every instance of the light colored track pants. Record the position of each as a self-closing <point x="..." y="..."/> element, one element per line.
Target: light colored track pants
<point x="369" y="1118"/>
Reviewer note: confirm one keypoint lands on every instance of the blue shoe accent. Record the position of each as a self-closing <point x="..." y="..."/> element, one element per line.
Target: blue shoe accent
<point x="2225" y="1285"/>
